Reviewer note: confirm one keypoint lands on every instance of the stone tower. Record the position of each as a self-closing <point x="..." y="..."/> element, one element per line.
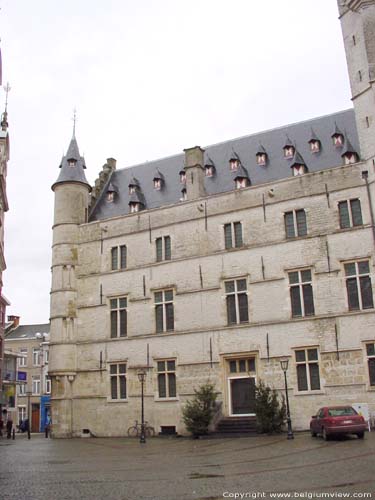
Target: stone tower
<point x="71" y="206"/>
<point x="358" y="27"/>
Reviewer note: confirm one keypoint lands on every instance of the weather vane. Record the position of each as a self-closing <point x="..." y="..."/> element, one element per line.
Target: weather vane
<point x="7" y="89"/>
<point x="74" y="121"/>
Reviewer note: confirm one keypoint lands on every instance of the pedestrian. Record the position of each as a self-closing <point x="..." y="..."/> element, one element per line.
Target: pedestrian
<point x="9" y="428"/>
<point x="47" y="427"/>
<point x="1" y="427"/>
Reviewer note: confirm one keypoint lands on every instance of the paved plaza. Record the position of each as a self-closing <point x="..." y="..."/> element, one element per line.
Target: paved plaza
<point x="180" y="468"/>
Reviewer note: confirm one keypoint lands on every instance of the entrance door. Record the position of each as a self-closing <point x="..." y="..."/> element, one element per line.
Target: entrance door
<point x="242" y="396"/>
<point x="35" y="419"/>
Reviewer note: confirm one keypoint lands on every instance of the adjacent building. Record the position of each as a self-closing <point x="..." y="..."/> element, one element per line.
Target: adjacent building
<point x="216" y="264"/>
<point x="32" y="385"/>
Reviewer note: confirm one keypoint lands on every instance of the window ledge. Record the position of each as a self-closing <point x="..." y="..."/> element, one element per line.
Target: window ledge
<point x="117" y="400"/>
<point x="163" y="400"/>
<point x="309" y="393"/>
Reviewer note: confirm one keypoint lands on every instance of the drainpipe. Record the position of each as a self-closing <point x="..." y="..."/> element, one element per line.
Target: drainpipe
<point x="365" y="177"/>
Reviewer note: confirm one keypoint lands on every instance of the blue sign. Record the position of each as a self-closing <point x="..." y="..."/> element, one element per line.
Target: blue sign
<point x="22" y="376"/>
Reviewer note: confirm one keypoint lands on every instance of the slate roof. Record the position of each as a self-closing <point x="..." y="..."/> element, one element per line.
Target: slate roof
<point x="277" y="166"/>
<point x="27" y="331"/>
<point x="72" y="174"/>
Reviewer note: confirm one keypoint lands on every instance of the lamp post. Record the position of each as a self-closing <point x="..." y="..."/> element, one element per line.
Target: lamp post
<point x="142" y="378"/>
<point x="28" y="394"/>
<point x="284" y="366"/>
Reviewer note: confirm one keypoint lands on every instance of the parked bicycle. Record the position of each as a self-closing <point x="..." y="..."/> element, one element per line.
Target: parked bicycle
<point x="136" y="429"/>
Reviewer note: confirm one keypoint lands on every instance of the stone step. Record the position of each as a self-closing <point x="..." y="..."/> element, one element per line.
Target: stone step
<point x="236" y="425"/>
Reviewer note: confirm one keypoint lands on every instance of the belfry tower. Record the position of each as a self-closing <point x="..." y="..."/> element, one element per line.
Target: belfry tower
<point x="357" y="22"/>
<point x="71" y="206"/>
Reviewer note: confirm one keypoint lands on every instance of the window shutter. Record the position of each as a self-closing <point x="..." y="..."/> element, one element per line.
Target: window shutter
<point x="366" y="292"/>
<point x="355" y="206"/>
<point x="302" y="378"/>
<point x="308" y="300"/>
<point x="167" y="247"/>
<point x="289" y="225"/>
<point x="344" y="214"/>
<point x="238" y="234"/>
<point x="295" y="301"/>
<point x="353" y="299"/>
<point x="228" y="235"/>
<point x="301" y="223"/>
<point x="159" y="249"/>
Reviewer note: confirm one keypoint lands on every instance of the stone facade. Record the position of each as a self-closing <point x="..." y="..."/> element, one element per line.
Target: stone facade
<point x="173" y="292"/>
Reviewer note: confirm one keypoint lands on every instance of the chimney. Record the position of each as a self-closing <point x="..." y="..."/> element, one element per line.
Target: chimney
<point x="194" y="168"/>
<point x="15" y="320"/>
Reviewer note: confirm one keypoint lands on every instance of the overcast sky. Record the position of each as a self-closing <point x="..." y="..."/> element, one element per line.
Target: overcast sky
<point x="148" y="79"/>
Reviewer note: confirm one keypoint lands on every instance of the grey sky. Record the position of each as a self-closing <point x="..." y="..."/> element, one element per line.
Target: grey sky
<point x="148" y="78"/>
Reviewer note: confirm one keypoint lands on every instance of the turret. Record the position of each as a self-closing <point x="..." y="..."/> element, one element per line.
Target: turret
<point x="358" y="27"/>
<point x="71" y="191"/>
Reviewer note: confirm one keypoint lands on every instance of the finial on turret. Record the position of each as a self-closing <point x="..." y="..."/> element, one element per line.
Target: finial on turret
<point x="4" y="118"/>
<point x="74" y="121"/>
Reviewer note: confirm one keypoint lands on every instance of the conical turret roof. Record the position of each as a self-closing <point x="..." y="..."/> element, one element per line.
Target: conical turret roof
<point x="72" y="166"/>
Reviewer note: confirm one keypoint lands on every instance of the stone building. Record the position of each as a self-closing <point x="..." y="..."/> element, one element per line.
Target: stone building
<point x="30" y="343"/>
<point x="215" y="264"/>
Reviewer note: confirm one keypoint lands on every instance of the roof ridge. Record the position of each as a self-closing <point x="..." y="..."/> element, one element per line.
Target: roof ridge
<point x="238" y="138"/>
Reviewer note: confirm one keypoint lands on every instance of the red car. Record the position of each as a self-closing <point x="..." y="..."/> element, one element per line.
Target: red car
<point x="334" y="420"/>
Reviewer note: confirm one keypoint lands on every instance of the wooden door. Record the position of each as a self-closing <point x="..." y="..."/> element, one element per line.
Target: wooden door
<point x="35" y="417"/>
<point x="243" y="396"/>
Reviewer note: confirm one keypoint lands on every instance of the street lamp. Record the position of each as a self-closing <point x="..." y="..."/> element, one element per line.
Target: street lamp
<point x="28" y="394"/>
<point x="284" y="366"/>
<point x="142" y="378"/>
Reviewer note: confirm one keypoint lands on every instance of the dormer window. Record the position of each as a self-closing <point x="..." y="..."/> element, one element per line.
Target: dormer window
<point x="183" y="177"/>
<point x="157" y="184"/>
<point x="350" y="158"/>
<point x="132" y="189"/>
<point x="314" y="146"/>
<point x="210" y="170"/>
<point x="241" y="182"/>
<point x="288" y="151"/>
<point x="261" y="158"/>
<point x="299" y="169"/>
<point x="110" y="196"/>
<point x="135" y="206"/>
<point x="234" y="164"/>
<point x="338" y="140"/>
<point x="183" y="195"/>
<point x="72" y="163"/>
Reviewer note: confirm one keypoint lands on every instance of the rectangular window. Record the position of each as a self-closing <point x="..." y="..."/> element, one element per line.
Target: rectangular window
<point x="47" y="384"/>
<point x="350" y="213"/>
<point x="301" y="293"/>
<point x="236" y="299"/>
<point x="307" y="364"/>
<point x="370" y="350"/>
<point x="36" y="384"/>
<point x="166" y="378"/>
<point x="118" y="258"/>
<point x="164" y="312"/>
<point x="358" y="285"/>
<point x="117" y="376"/>
<point x="233" y="235"/>
<point x="23" y="361"/>
<point x="163" y="248"/>
<point x="22" y="390"/>
<point x="118" y="317"/>
<point x="36" y="357"/>
<point x="295" y="223"/>
<point x="21" y="413"/>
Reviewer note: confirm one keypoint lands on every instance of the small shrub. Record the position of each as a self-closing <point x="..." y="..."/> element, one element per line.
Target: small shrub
<point x="198" y="413"/>
<point x="270" y="411"/>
